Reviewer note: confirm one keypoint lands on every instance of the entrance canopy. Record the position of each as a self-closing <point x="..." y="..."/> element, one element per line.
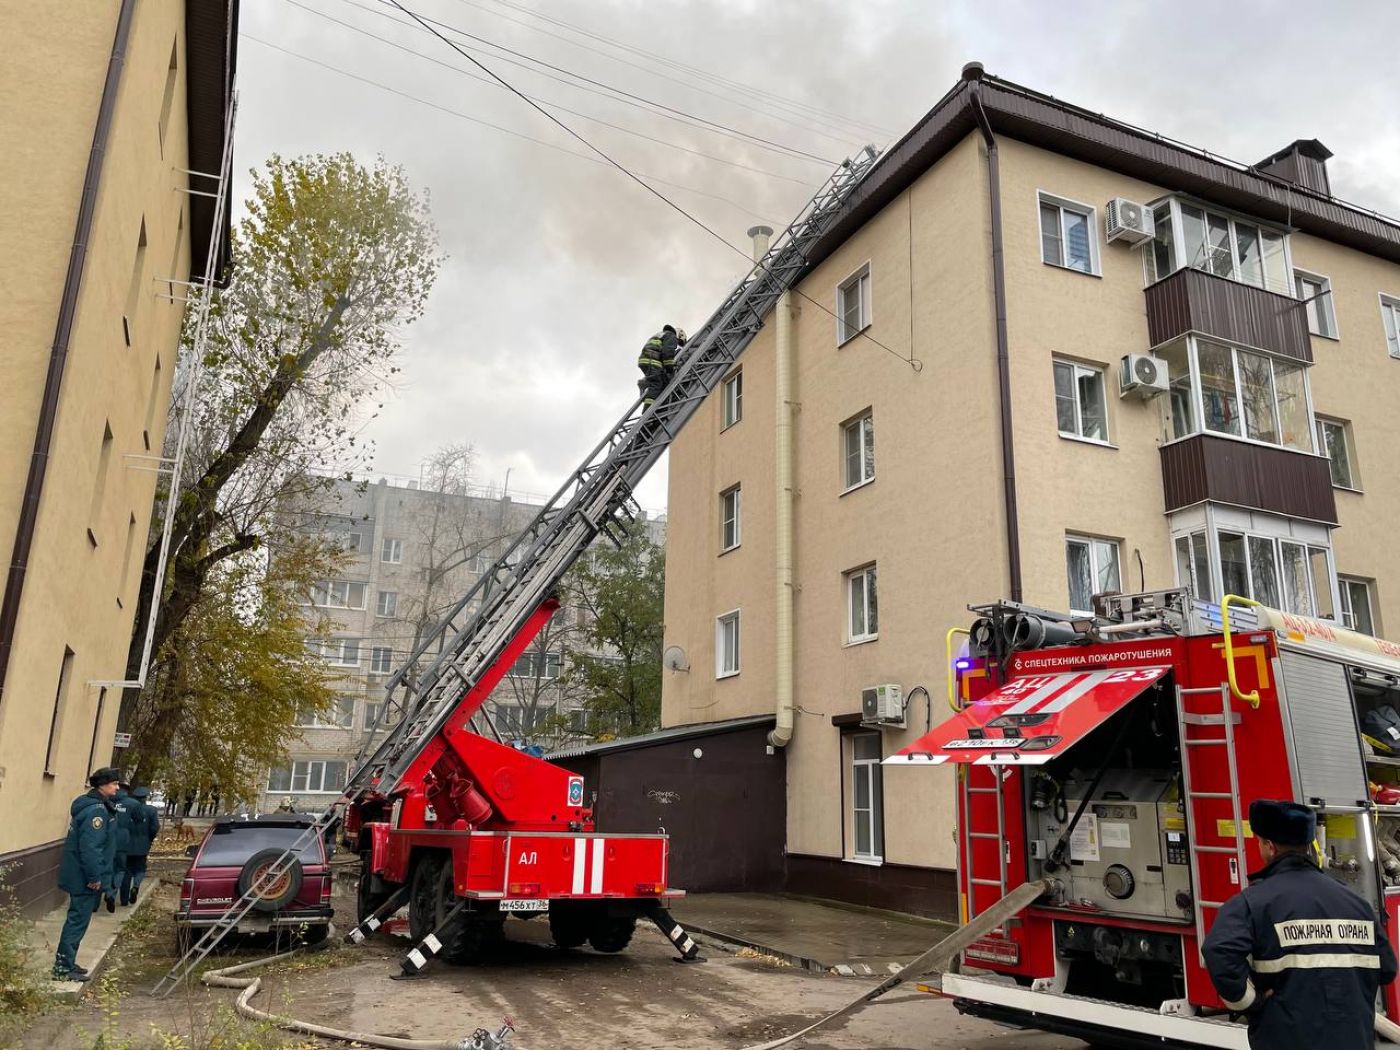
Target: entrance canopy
<point x="1030" y="720"/>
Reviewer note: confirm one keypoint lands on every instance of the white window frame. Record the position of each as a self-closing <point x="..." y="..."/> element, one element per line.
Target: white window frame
<point x="860" y="281"/>
<point x="310" y="771"/>
<point x="341" y="716"/>
<point x="726" y="668"/>
<point x="1390" y="323"/>
<point x="527" y="666"/>
<point x="1309" y="546"/>
<point x="860" y="423"/>
<point x="871" y="771"/>
<point x="731" y="499"/>
<point x="1347" y="608"/>
<point x="1323" y="307"/>
<point x="1077" y="370"/>
<point x="861" y="615"/>
<point x="387" y="609"/>
<point x="732" y="399"/>
<point x="1177" y="227"/>
<point x="372" y="708"/>
<point x="391" y="551"/>
<point x="1323" y="422"/>
<point x="378" y="665"/>
<point x="353" y="541"/>
<point x="337" y="657"/>
<point x="1094" y="565"/>
<point x="1062" y="205"/>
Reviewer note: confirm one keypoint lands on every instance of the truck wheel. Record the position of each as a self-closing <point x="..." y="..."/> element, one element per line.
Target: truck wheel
<point x="567" y="927"/>
<point x="367" y="901"/>
<point x="612" y="935"/>
<point x="470" y="938"/>
<point x="423" y="896"/>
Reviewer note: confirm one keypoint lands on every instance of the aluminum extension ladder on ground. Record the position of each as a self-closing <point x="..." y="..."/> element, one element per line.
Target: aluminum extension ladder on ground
<point x="596" y="499"/>
<point x="973" y="881"/>
<point x="1195" y="827"/>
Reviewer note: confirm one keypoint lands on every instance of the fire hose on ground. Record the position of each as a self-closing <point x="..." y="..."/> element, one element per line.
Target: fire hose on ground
<point x="227" y="977"/>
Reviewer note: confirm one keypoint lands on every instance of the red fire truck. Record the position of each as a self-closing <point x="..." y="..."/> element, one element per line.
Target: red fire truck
<point x="1115" y="756"/>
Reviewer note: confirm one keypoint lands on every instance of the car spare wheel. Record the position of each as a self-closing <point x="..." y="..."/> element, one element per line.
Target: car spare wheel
<point x="272" y="894"/>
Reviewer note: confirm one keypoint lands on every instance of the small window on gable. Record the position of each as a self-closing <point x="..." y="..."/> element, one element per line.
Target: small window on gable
<point x="853" y="305"/>
<point x="1068" y="234"/>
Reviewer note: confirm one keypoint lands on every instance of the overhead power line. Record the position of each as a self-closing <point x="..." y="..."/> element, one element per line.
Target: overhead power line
<point x="911" y="361"/>
<point x="636" y="103"/>
<point x="650" y="53"/>
<point x="494" y="127"/>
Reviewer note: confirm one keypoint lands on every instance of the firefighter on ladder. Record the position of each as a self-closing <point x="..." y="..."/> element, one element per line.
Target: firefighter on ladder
<point x="1299" y="954"/>
<point x="658" y="361"/>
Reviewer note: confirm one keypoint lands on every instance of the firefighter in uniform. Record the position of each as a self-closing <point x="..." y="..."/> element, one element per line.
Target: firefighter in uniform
<point x="657" y="362"/>
<point x="85" y="868"/>
<point x="1299" y="954"/>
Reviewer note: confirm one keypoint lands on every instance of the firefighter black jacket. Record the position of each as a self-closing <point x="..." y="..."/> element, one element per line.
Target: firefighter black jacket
<point x="1302" y="956"/>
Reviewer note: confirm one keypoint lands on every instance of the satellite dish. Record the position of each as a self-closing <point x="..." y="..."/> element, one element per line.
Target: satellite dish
<point x="674" y="659"/>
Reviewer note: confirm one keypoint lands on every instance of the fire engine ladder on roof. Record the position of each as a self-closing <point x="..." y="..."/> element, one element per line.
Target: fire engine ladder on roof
<point x="596" y="499"/>
<point x="970" y="792"/>
<point x="1191" y="746"/>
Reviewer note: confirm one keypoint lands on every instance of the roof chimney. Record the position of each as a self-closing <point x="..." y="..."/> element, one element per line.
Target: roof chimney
<point x="760" y="235"/>
<point x="1303" y="163"/>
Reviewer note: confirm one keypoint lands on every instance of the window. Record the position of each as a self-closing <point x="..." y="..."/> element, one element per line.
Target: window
<point x="867" y="797"/>
<point x="536" y="664"/>
<point x="338" y="594"/>
<point x="341" y="715"/>
<point x="863" y="605"/>
<point x="352" y="541"/>
<point x="1356" y="604"/>
<point x="1316" y="294"/>
<point x="727" y="644"/>
<point x="391" y="551"/>
<point x="169" y="97"/>
<point x="853" y="305"/>
<point x="381" y="659"/>
<point x="1390" y="317"/>
<point x="60" y="698"/>
<point x="343" y="652"/>
<point x="373" y="708"/>
<point x="1081" y="409"/>
<point x="858" y="450"/>
<point x="388" y="604"/>
<point x="1334" y="441"/>
<point x="1092" y="566"/>
<point x="1193" y="566"/>
<point x="1189" y="235"/>
<point x="729" y="505"/>
<point x="1242" y="393"/>
<point x="732" y="399"/>
<point x="1283" y="574"/>
<point x="308" y="777"/>
<point x="1068" y="234"/>
<point x="133" y="288"/>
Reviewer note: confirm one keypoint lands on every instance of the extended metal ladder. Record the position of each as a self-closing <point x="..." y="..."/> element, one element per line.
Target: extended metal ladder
<point x="1194" y="825"/>
<point x="597" y="498"/>
<point x="969" y="836"/>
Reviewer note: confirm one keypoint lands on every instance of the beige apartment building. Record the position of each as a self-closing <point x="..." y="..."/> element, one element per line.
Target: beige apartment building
<point x="105" y="109"/>
<point x="1141" y="367"/>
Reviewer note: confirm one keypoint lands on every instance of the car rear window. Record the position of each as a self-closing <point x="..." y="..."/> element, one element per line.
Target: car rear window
<point x="232" y="847"/>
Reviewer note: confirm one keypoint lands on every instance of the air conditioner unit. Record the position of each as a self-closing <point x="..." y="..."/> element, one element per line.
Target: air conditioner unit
<point x="882" y="705"/>
<point x="1129" y="221"/>
<point x="1142" y="375"/>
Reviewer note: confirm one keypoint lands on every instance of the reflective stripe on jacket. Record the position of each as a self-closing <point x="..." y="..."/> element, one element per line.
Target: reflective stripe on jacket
<point x="659" y="351"/>
<point x="1302" y="956"/>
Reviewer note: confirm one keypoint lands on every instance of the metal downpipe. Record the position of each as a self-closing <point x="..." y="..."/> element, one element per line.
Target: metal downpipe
<point x="782" y="731"/>
<point x="972" y="73"/>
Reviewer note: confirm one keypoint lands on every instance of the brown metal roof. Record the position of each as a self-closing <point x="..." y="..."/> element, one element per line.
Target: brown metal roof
<point x="211" y="50"/>
<point x="1020" y="113"/>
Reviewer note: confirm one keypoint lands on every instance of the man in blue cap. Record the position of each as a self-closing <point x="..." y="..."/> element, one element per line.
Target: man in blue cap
<point x="86" y="867"/>
<point x="145" y="826"/>
<point x="1299" y="954"/>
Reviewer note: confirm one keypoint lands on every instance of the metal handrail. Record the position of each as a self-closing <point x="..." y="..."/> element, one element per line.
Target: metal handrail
<point x="1251" y="698"/>
<point x="952" y="671"/>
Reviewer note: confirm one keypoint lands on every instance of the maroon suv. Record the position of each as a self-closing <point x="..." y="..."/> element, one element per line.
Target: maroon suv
<point x="234" y="854"/>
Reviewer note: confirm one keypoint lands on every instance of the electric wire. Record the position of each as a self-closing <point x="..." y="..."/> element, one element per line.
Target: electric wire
<point x="913" y="362"/>
<point x="825" y="130"/>
<point x="529" y="62"/>
<point x="749" y="89"/>
<point x="539" y="142"/>
<point x="361" y="30"/>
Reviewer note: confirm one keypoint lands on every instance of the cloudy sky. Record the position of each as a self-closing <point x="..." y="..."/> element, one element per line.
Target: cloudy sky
<point x="559" y="267"/>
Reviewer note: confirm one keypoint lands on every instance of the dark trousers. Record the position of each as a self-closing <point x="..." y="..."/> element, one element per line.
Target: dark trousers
<point x="80" y="909"/>
<point x="653" y="381"/>
<point x="132" y="878"/>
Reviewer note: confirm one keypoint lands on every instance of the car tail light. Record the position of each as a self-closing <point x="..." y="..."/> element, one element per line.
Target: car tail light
<point x="186" y="893"/>
<point x="524" y="889"/>
<point x="650" y="889"/>
<point x="325" y="889"/>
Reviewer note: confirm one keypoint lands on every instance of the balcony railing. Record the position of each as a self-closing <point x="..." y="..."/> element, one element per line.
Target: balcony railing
<point x="1205" y="467"/>
<point x="1194" y="301"/>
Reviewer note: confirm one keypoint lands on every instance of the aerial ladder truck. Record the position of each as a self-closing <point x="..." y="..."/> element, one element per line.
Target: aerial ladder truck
<point x="448" y="818"/>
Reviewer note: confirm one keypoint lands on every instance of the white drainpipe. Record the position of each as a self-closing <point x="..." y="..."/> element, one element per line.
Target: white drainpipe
<point x="782" y="731"/>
